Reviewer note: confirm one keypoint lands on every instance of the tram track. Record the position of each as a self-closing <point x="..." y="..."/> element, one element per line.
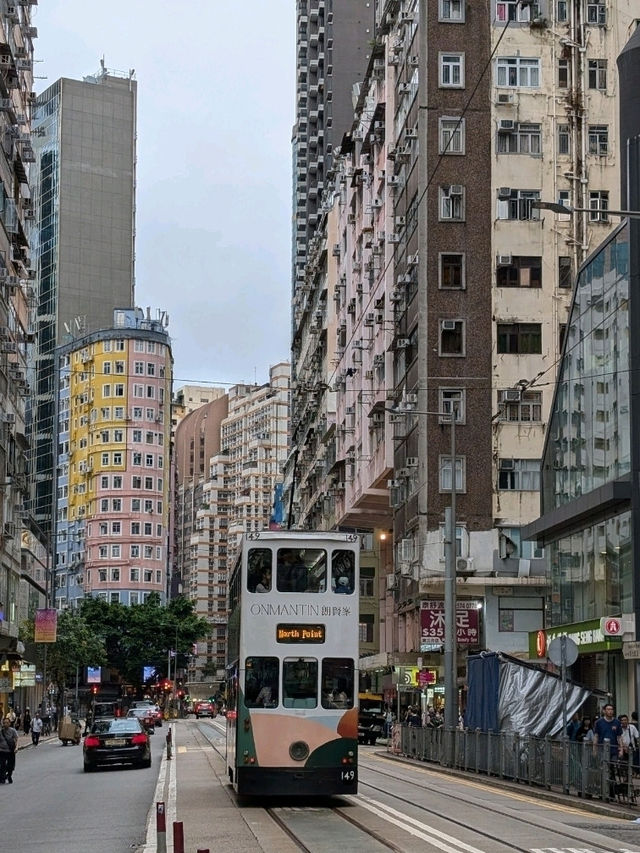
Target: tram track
<point x="466" y="801"/>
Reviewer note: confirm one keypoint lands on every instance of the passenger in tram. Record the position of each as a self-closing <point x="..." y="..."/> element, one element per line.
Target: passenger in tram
<point x="264" y="584"/>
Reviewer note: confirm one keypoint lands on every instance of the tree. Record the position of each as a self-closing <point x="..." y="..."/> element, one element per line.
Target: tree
<point x="143" y="634"/>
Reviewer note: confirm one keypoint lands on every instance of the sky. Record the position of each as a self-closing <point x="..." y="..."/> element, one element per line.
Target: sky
<point x="216" y="98"/>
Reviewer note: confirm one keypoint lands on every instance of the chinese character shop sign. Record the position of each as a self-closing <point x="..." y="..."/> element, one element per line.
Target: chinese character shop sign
<point x="467" y="622"/>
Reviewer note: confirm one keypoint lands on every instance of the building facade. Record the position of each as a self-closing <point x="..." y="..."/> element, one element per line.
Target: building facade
<point x="113" y="462"/>
<point x="432" y="287"/>
<point x="84" y="142"/>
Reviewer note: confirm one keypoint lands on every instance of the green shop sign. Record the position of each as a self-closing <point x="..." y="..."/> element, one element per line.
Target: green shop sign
<point x="586" y="635"/>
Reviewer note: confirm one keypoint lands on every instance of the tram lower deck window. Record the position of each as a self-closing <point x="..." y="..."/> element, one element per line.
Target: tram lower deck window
<point x="300" y="682"/>
<point x="261" y="677"/>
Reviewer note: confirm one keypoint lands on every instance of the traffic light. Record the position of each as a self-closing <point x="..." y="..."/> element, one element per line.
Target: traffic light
<point x="94" y="689"/>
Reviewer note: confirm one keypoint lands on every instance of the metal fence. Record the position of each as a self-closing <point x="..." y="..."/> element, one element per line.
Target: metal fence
<point x="584" y="769"/>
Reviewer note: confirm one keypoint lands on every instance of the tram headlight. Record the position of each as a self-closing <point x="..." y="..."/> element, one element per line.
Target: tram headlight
<point x="299" y="750"/>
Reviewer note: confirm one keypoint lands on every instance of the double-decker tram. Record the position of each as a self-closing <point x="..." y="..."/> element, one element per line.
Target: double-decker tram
<point x="292" y="680"/>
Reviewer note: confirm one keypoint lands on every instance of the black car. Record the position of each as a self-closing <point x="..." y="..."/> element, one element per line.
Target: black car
<point x="117" y="741"/>
<point x="370" y="718"/>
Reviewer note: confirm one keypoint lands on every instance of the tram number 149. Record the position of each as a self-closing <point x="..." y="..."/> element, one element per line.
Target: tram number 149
<point x="348" y="775"/>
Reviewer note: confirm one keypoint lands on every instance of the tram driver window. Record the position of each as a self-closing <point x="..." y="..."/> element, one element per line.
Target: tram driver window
<point x="301" y="570"/>
<point x="261" y="682"/>
<point x="259" y="570"/>
<point x="337" y="683"/>
<point x="343" y="572"/>
<point x="300" y="682"/>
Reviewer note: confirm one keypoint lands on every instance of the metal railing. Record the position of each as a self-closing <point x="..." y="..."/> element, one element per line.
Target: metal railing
<point x="584" y="769"/>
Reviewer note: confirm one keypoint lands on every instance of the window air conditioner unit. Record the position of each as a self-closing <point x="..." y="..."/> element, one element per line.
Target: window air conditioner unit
<point x="379" y="318"/>
<point x="511" y="395"/>
<point x="351" y="218"/>
<point x="376" y="204"/>
<point x="465" y="565"/>
<point x="504" y="260"/>
<point x="393" y="181"/>
<point x="378" y="359"/>
<point x="506" y="124"/>
<point x="350" y="410"/>
<point x="412" y="261"/>
<point x="411" y="399"/>
<point x="504" y="192"/>
<point x="369" y="319"/>
<point x="414" y="61"/>
<point x="391" y="583"/>
<point x="394" y="237"/>
<point x="455" y="189"/>
<point x="405" y="570"/>
<point x="368" y="374"/>
<point x="9" y="418"/>
<point x="507" y="464"/>
<point x="377" y="418"/>
<point x="393" y="484"/>
<point x="402" y="343"/>
<point x="336" y="250"/>
<point x="448" y="325"/>
<point x="400" y="221"/>
<point x="504" y="98"/>
<point x="411" y="133"/>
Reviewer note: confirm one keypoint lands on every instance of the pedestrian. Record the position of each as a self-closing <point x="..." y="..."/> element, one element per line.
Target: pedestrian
<point x="26" y="721"/>
<point x="585" y="732"/>
<point x="36" y="728"/>
<point x="8" y="748"/>
<point x="573" y="726"/>
<point x="608" y="728"/>
<point x="628" y="739"/>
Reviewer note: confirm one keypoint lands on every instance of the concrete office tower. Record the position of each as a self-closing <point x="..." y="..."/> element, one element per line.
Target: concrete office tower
<point x="84" y="139"/>
<point x="332" y="46"/>
<point x="112" y="477"/>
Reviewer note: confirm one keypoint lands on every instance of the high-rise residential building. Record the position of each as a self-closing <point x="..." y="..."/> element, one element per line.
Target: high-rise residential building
<point x="435" y="285"/>
<point x="332" y="47"/>
<point x="229" y="459"/>
<point x="85" y="146"/>
<point x="112" y="486"/>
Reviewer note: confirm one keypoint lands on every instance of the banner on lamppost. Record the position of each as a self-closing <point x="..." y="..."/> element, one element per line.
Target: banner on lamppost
<point x="46" y="626"/>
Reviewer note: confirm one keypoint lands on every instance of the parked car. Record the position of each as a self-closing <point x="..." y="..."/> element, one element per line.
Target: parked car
<point x="121" y="740"/>
<point x="145" y="715"/>
<point x="370" y="717"/>
<point x="204" y="708"/>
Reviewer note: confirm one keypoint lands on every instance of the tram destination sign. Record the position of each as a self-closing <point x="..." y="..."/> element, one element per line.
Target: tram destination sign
<point x="300" y="633"/>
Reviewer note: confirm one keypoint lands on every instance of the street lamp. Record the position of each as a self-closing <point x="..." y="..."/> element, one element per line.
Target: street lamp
<point x="558" y="207"/>
<point x="450" y="633"/>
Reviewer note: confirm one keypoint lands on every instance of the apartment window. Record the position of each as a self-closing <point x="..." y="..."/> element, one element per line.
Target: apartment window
<point x="452" y="272"/>
<point x="104" y="505"/>
<point x="598" y="139"/>
<point x="115" y="574"/>
<point x="119" y="390"/>
<point x="597" y="13"/>
<point x="148" y="575"/>
<point x="151" y="416"/>
<point x="117" y="458"/>
<point x="516" y="204"/>
<point x="366" y="626"/>
<point x="118" y="412"/>
<point x="135" y="528"/>
<point x="137" y="410"/>
<point x="148" y="528"/>
<point x="520" y="338"/>
<point x="105" y="413"/>
<point x="106" y="390"/>
<point x="106" y="346"/>
<point x="445" y="474"/>
<point x="104" y="459"/>
<point x="561" y="11"/>
<point x="148" y="460"/>
<point x="451" y="136"/>
<point x="562" y="331"/>
<point x="522" y="271"/>
<point x="452" y="337"/>
<point x="151" y="369"/>
<point x="116" y="504"/>
<point x="119" y="346"/>
<point x="598" y="206"/>
<point x="136" y="436"/>
<point x="516" y="11"/>
<point x="452" y="70"/>
<point x="134" y="574"/>
<point x="451" y="11"/>
<point x="514" y="138"/>
<point x="148" y="552"/>
<point x="118" y="436"/>
<point x="452" y="203"/>
<point x="526" y="409"/>
<point x="159" y="580"/>
<point x="136" y="482"/>
<point x="138" y="346"/>
<point x="148" y="506"/>
<point x="135" y="550"/>
<point x="138" y="391"/>
<point x="452" y="399"/>
<point x="564" y="139"/>
<point x="106" y="367"/>
<point x="597" y="73"/>
<point x="138" y="368"/>
<point x="565" y="272"/>
<point x="103" y="527"/>
<point x="119" y="366"/>
<point x="519" y="475"/>
<point x="151" y="392"/>
<point x="104" y="481"/>
<point x="151" y="347"/>
<point x="116" y="528"/>
<point x="518" y="72"/>
<point x="103" y="552"/>
<point x="137" y="459"/>
<point x="102" y="575"/>
<point x="148" y="483"/>
<point x="134" y="598"/>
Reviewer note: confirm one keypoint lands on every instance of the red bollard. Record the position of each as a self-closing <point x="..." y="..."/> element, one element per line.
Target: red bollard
<point x="202" y="850"/>
<point x="178" y="837"/>
<point x="161" y="828"/>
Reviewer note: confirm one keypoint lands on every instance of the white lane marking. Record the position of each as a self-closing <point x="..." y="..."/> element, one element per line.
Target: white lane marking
<point x="150" y="839"/>
<point x="407" y="823"/>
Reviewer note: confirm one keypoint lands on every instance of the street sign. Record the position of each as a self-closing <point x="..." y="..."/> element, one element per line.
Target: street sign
<point x="611" y="626"/>
<point x="631" y="651"/>
<point x="562" y="651"/>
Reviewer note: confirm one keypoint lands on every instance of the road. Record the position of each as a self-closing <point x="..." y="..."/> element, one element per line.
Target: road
<point x="54" y="805"/>
<point x="401" y="806"/>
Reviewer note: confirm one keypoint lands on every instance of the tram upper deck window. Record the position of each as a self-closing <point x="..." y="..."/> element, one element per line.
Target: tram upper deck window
<point x="259" y="570"/>
<point x="301" y="570"/>
<point x="261" y="682"/>
<point x="300" y="682"/>
<point x="343" y="572"/>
